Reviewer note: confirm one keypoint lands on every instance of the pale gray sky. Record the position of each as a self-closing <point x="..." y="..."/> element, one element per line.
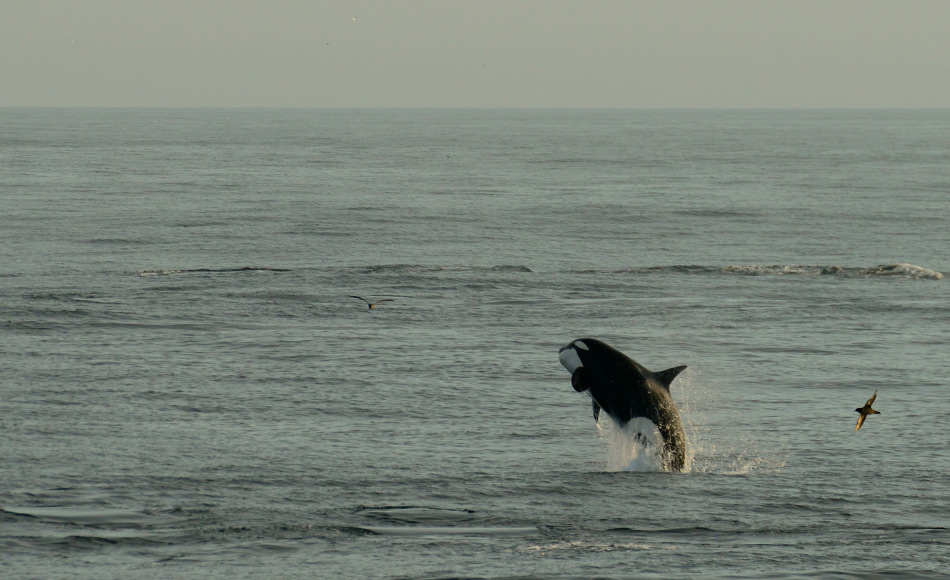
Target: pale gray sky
<point x="475" y="53"/>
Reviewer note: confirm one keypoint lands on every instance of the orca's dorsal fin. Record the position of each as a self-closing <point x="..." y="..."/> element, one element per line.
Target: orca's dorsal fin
<point x="666" y="377"/>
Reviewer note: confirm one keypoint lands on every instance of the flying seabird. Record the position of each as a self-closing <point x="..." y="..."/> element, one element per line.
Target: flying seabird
<point x="372" y="304"/>
<point x="865" y="411"/>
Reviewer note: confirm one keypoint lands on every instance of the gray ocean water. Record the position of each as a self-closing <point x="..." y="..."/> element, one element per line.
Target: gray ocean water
<point x="189" y="391"/>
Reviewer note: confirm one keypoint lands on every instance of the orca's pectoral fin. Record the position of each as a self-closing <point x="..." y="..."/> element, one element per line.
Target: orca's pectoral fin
<point x="666" y="377"/>
<point x="596" y="408"/>
<point x="577" y="380"/>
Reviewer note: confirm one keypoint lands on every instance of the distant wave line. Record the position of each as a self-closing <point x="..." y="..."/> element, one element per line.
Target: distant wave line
<point x="895" y="270"/>
<point x="169" y="272"/>
<point x="422" y="269"/>
<point x="899" y="270"/>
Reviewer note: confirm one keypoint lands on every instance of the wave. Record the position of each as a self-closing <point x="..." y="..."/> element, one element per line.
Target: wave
<point x="149" y="273"/>
<point x="899" y="270"/>
<point x="82" y="527"/>
<point x="895" y="270"/>
<point x="425" y="269"/>
<point x="79" y="516"/>
<point x="594" y="546"/>
<point x="452" y="530"/>
<point x="433" y="521"/>
<point x="417" y="515"/>
<point x="118" y="241"/>
<point x="902" y="271"/>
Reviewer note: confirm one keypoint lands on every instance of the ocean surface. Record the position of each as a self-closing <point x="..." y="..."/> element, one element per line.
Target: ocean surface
<point x="189" y="390"/>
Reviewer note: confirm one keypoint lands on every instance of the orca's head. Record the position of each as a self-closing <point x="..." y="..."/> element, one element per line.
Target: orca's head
<point x="573" y="357"/>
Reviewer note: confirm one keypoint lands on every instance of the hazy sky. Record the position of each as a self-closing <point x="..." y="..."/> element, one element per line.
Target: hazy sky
<point x="475" y="53"/>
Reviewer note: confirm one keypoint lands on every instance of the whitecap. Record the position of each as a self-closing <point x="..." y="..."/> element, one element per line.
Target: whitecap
<point x="902" y="270"/>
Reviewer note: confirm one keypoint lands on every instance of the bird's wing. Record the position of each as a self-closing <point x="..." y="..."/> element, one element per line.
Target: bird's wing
<point x="871" y="400"/>
<point x="359" y="298"/>
<point x="861" y="419"/>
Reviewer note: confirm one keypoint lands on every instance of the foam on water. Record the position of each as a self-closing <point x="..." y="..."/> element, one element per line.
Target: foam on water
<point x="902" y="271"/>
<point x="892" y="270"/>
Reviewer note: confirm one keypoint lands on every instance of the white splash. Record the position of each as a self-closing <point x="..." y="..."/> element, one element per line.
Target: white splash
<point x="739" y="455"/>
<point x="636" y="446"/>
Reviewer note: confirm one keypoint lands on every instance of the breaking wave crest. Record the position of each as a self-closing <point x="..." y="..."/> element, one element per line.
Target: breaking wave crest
<point x="892" y="270"/>
<point x="902" y="271"/>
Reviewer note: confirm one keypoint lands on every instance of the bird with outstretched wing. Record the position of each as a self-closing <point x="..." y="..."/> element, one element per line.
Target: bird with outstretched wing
<point x="865" y="411"/>
<point x="372" y="305"/>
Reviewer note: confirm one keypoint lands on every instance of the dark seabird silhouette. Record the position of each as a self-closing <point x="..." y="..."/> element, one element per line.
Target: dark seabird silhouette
<point x="372" y="304"/>
<point x="865" y="411"/>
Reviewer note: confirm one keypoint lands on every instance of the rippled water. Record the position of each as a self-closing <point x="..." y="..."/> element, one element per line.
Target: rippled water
<point x="190" y="391"/>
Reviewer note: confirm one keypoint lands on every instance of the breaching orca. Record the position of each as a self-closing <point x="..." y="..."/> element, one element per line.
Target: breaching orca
<point x="625" y="390"/>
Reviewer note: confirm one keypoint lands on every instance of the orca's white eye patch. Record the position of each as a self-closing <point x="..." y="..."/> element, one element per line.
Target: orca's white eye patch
<point x="570" y="360"/>
<point x="580" y="344"/>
